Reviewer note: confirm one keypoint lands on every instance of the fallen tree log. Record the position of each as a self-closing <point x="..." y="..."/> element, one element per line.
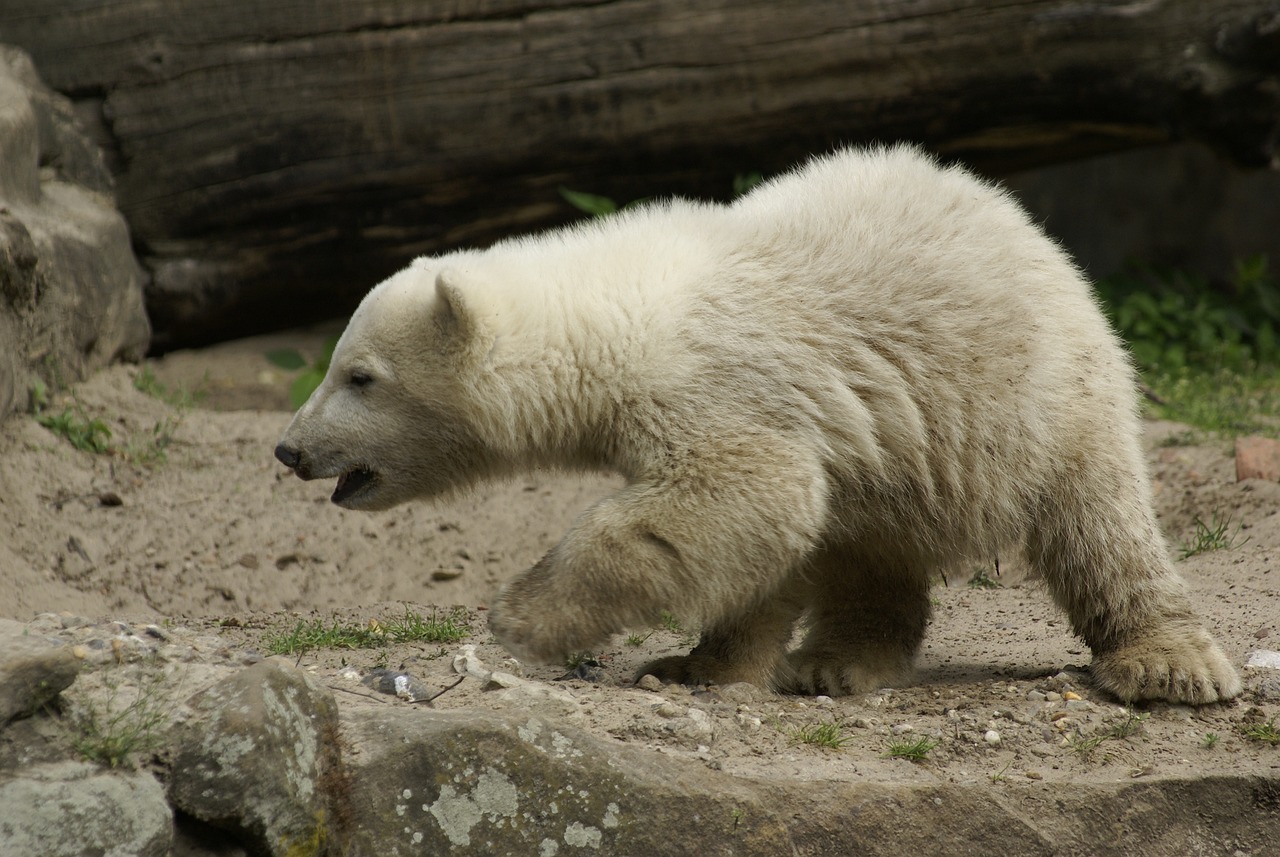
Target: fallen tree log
<point x="276" y="157"/>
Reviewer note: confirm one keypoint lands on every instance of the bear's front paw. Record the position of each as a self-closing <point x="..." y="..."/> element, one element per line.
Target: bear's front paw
<point x="1177" y="664"/>
<point x="542" y="633"/>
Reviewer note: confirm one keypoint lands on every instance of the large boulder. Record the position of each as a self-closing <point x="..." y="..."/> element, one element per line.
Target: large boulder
<point x="75" y="809"/>
<point x="70" y="286"/>
<point x="33" y="671"/>
<point x="260" y="756"/>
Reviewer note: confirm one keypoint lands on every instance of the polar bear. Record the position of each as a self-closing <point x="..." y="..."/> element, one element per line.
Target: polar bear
<point x="820" y="396"/>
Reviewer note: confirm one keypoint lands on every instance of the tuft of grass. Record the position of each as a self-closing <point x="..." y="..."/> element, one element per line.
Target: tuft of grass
<point x="828" y="735"/>
<point x="410" y="627"/>
<point x="1222" y="401"/>
<point x="637" y="639"/>
<point x="577" y="660"/>
<point x="912" y="749"/>
<point x="145" y="381"/>
<point x="669" y="622"/>
<point x="1210" y="740"/>
<point x="312" y="375"/>
<point x="1266" y="733"/>
<point x="110" y="733"/>
<point x="1130" y="726"/>
<point x="153" y="448"/>
<point x="982" y="580"/>
<point x="1213" y="536"/>
<point x="78" y="429"/>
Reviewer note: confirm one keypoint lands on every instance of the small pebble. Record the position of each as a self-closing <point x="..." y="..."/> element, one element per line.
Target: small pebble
<point x="903" y="728"/>
<point x="992" y="737"/>
<point x="649" y="682"/>
<point x="666" y="709"/>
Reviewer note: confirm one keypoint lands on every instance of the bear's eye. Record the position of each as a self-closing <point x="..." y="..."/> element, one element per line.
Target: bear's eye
<point x="360" y="379"/>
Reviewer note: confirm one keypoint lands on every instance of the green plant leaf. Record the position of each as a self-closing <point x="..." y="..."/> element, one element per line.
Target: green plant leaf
<point x="744" y="182"/>
<point x="593" y="204"/>
<point x="304" y="385"/>
<point x="286" y="358"/>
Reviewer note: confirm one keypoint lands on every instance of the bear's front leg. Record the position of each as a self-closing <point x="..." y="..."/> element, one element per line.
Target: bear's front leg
<point x="579" y="595"/>
<point x="704" y="544"/>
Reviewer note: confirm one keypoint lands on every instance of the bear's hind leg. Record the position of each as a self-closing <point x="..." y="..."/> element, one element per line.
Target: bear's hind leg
<point x="745" y="647"/>
<point x="1106" y="566"/>
<point x="867" y="622"/>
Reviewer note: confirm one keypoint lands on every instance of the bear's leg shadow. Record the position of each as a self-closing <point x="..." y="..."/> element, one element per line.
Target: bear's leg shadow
<point x="867" y="620"/>
<point x="1095" y="543"/>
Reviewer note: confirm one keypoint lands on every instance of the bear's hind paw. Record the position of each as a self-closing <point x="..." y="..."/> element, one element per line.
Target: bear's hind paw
<point x="1189" y="669"/>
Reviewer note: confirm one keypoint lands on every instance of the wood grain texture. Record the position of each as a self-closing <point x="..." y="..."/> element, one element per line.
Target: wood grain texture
<point x="275" y="157"/>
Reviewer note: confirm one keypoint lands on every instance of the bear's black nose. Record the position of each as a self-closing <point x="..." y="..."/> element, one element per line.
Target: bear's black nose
<point x="288" y="457"/>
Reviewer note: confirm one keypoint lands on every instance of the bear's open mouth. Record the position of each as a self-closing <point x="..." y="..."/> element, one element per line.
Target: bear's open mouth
<point x="351" y="482"/>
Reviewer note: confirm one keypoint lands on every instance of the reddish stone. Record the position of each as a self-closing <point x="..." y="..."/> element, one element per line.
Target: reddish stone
<point x="1257" y="458"/>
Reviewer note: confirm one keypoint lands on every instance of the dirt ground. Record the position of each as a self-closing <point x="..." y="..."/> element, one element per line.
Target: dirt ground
<point x="215" y="539"/>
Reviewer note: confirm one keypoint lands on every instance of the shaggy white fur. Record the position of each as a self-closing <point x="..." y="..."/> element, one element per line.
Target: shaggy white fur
<point x="859" y="374"/>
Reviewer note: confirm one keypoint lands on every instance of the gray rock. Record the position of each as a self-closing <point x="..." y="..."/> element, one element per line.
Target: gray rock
<point x="33" y="670"/>
<point x="464" y="782"/>
<point x="77" y="809"/>
<point x="70" y="286"/>
<point x="469" y="783"/>
<point x="260" y="756"/>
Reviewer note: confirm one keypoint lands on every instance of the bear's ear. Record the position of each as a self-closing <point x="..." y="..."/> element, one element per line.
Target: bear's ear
<point x="458" y="312"/>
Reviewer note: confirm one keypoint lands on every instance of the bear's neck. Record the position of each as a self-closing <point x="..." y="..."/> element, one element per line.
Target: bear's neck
<point x="584" y="369"/>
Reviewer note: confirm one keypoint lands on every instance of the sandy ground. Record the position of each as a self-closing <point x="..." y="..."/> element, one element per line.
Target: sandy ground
<point x="217" y="529"/>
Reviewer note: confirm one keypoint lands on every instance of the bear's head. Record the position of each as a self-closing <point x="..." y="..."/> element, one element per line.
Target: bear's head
<point x="390" y="420"/>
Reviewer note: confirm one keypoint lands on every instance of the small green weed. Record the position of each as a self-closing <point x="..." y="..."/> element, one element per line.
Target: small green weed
<point x="1210" y="740"/>
<point x="1267" y="733"/>
<point x="827" y="735"/>
<point x="670" y="623"/>
<point x="72" y="424"/>
<point x="408" y="628"/>
<point x="912" y="749"/>
<point x="305" y="384"/>
<point x="982" y="580"/>
<point x="111" y="732"/>
<point x="1130" y="726"/>
<point x="636" y="639"/>
<point x="145" y="381"/>
<point x="1212" y="536"/>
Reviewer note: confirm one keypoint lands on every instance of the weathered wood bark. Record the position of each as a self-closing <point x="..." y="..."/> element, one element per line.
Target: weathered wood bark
<point x="275" y="157"/>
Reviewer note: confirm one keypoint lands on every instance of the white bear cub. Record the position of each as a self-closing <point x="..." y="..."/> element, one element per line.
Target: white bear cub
<point x="858" y="375"/>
